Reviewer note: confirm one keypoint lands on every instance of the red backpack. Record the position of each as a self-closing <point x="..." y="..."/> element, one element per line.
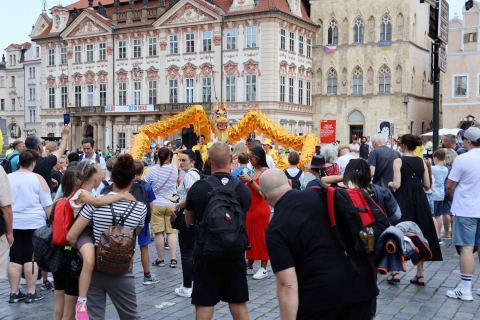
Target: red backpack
<point x="62" y="219"/>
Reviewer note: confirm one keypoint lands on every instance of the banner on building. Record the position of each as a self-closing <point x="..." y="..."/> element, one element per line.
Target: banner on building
<point x="386" y="128"/>
<point x="138" y="108"/>
<point x="327" y="131"/>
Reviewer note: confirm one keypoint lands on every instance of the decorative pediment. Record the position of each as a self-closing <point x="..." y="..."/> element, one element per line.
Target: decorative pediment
<point x="63" y="79"/>
<point x="188" y="13"/>
<point x="137" y="74"/>
<point x="51" y="83"/>
<point x="189" y="70"/>
<point x="251" y="67"/>
<point x="206" y="69"/>
<point x="85" y="26"/>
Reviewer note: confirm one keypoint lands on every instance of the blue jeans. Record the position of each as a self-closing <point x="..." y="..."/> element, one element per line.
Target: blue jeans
<point x="430" y="202"/>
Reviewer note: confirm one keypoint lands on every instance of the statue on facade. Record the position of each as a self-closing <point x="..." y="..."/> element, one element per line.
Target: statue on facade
<point x="161" y="4"/>
<point x="101" y="10"/>
<point x="116" y="5"/>
<point x="90" y="3"/>
<point x="145" y="4"/>
<point x="131" y="4"/>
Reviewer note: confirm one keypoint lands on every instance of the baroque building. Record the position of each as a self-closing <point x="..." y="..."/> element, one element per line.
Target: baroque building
<point x="119" y="65"/>
<point x="371" y="63"/>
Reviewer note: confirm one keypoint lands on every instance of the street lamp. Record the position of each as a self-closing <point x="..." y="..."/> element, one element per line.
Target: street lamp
<point x="431" y="125"/>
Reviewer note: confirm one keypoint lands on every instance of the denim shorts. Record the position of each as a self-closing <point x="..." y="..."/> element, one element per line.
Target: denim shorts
<point x="466" y="231"/>
<point x="430" y="202"/>
<point x="437" y="208"/>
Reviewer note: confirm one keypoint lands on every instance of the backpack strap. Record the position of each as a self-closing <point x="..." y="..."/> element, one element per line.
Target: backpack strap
<point x="299" y="174"/>
<point x="13" y="156"/>
<point x="287" y="174"/>
<point x="97" y="158"/>
<point x="122" y="217"/>
<point x="105" y="183"/>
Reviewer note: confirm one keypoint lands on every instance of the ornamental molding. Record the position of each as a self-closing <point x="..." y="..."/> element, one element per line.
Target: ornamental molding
<point x="63" y="79"/>
<point x="188" y="13"/>
<point x="86" y="26"/>
<point x="51" y="83"/>
<point x="122" y="76"/>
<point x="231" y="68"/>
<point x="152" y="74"/>
<point x="189" y="70"/>
<point x="77" y="80"/>
<point x="102" y="76"/>
<point x="251" y="67"/>
<point x="137" y="73"/>
<point x="173" y="72"/>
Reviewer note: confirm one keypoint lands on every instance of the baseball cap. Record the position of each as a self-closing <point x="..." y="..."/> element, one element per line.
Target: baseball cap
<point x="472" y="134"/>
<point x="341" y="147"/>
<point x="166" y="143"/>
<point x="461" y="132"/>
<point x="267" y="141"/>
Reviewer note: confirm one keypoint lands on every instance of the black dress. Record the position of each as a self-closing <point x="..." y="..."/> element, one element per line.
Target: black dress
<point x="414" y="203"/>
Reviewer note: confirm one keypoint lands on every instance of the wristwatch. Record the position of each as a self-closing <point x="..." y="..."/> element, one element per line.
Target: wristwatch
<point x="251" y="181"/>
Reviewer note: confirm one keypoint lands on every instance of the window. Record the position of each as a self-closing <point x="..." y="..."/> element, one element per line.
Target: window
<point x="173" y="44"/>
<point x="300" y="92"/>
<point x="384" y="80"/>
<point x="152" y="92"/>
<point x="292" y="41"/>
<point x="470" y="37"/>
<point x="102" y="51"/>
<point x="63" y="55"/>
<point x="2" y="82"/>
<point x="309" y="93"/>
<point x="282" y="88"/>
<point x="251" y="87"/>
<point x="282" y="38"/>
<point x="64" y="97"/>
<point x="78" y="96"/>
<point x="333" y="32"/>
<point x="122" y="49"/>
<point x="358" y="81"/>
<point x="122" y="93"/>
<point x="137" y="92"/>
<point x="121" y="140"/>
<point x="51" y="98"/>
<point x="460" y="86"/>
<point x="189" y="90"/>
<point x="231" y="39"/>
<point x="300" y="44"/>
<point x="32" y="115"/>
<point x="89" y="52"/>
<point x="32" y="94"/>
<point x="332" y="82"/>
<point x="90" y="95"/>
<point x="230" y="88"/>
<point x="57" y="20"/>
<point x="358" y="30"/>
<point x="190" y="42"/>
<point x="13" y="81"/>
<point x="207" y="41"/>
<point x="13" y="104"/>
<point x="152" y="46"/>
<point x="78" y="54"/>
<point x="206" y="89"/>
<point x="137" y="48"/>
<point x="31" y="72"/>
<point x="2" y="104"/>
<point x="173" y="91"/>
<point x="38" y="51"/>
<point x="290" y="90"/>
<point x="252" y="37"/>
<point x="51" y="57"/>
<point x="103" y="94"/>
<point x="386" y="28"/>
<point x="309" y="48"/>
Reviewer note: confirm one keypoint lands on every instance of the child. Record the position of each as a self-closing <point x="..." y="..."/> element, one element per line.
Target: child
<point x="88" y="177"/>
<point x="439" y="173"/>
<point x="243" y="161"/>
<point x="296" y="175"/>
<point x="429" y="190"/>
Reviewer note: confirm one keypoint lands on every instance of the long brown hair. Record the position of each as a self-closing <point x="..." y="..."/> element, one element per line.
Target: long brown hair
<point x="428" y="162"/>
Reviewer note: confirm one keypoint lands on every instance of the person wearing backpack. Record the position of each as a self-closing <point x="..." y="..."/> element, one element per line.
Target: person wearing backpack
<point x="293" y="173"/>
<point x="124" y="219"/>
<point x="10" y="163"/>
<point x="89" y="155"/>
<point x="219" y="277"/>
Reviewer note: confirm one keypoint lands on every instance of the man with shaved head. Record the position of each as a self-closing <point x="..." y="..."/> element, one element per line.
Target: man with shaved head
<point x="314" y="278"/>
<point x="217" y="281"/>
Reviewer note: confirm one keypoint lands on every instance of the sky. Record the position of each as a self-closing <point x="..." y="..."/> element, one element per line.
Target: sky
<point x="18" y="17"/>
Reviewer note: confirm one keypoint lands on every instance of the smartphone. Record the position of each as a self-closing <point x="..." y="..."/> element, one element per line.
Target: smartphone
<point x="66" y="118"/>
<point x="171" y="197"/>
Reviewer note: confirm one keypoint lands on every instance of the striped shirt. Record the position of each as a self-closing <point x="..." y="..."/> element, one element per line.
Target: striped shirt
<point x="156" y="177"/>
<point x="102" y="216"/>
<point x="188" y="180"/>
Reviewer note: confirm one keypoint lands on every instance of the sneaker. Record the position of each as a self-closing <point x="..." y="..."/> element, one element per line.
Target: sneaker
<point x="81" y="311"/>
<point x="458" y="293"/>
<point x="150" y="279"/>
<point x="183" y="292"/>
<point x="261" y="273"/>
<point x="250" y="270"/>
<point x="478" y="292"/>
<point x="440" y="241"/>
<point x="46" y="286"/>
<point x="16" y="297"/>
<point x="33" y="297"/>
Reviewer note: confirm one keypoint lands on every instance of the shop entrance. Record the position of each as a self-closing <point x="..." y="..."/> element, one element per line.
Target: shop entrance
<point x="356" y="132"/>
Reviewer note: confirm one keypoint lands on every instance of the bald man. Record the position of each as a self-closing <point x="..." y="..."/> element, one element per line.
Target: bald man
<point x="225" y="281"/>
<point x="314" y="279"/>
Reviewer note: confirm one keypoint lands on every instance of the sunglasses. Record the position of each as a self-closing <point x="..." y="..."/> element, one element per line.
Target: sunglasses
<point x="183" y="160"/>
<point x="249" y="157"/>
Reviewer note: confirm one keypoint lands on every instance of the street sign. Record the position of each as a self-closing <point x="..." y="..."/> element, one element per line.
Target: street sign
<point x="443" y="21"/>
<point x="443" y="58"/>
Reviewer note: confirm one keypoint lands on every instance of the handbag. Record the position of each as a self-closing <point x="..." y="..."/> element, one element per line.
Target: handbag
<point x="48" y="256"/>
<point x="175" y="222"/>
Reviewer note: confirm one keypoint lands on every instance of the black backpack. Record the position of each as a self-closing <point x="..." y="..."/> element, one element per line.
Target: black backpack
<point x="222" y="234"/>
<point x="295" y="180"/>
<point x="7" y="164"/>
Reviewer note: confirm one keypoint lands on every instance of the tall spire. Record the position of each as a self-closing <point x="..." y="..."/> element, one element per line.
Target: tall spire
<point x="44" y="4"/>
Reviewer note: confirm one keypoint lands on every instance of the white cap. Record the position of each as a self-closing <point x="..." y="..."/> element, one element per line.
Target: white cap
<point x="166" y="143"/>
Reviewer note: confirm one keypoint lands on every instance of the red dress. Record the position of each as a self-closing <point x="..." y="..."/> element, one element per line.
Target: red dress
<point x="257" y="221"/>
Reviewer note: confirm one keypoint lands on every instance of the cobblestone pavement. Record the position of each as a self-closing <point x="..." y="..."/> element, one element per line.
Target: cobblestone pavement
<point x="403" y="301"/>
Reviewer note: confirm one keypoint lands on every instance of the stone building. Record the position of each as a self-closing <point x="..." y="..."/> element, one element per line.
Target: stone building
<point x="363" y="84"/>
<point x="117" y="66"/>
<point x="461" y="83"/>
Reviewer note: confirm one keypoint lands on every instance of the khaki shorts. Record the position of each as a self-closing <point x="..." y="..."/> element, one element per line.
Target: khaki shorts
<point x="4" y="253"/>
<point x="161" y="220"/>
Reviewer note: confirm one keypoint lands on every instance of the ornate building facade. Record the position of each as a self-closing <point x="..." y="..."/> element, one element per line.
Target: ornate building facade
<point x="378" y="72"/>
<point x="117" y="66"/>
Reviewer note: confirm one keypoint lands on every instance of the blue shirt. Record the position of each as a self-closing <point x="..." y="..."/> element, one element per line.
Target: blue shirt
<point x="239" y="171"/>
<point x="440" y="174"/>
<point x="14" y="160"/>
<point x="151" y="194"/>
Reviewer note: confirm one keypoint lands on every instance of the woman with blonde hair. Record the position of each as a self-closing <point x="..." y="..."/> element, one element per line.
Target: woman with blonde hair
<point x="239" y="148"/>
<point x="50" y="149"/>
<point x="450" y="155"/>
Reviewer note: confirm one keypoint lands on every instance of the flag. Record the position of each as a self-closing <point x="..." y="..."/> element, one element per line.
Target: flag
<point x="384" y="46"/>
<point x="329" y="49"/>
<point x="227" y="216"/>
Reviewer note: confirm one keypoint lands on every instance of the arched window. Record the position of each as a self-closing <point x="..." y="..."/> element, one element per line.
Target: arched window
<point x="358" y="81"/>
<point x="384" y="80"/>
<point x="358" y="30"/>
<point x="332" y="82"/>
<point x="58" y="20"/>
<point x="333" y="32"/>
<point x="386" y="28"/>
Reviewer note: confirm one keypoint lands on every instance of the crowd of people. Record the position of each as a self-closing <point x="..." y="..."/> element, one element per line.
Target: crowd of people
<point x="228" y="207"/>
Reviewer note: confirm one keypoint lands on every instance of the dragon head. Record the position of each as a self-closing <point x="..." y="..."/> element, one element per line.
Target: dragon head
<point x="221" y="117"/>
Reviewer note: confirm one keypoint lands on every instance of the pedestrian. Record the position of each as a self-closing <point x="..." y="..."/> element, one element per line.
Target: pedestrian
<point x="314" y="280"/>
<point x="410" y="177"/>
<point x="355" y="147"/>
<point x="50" y="149"/>
<point x="29" y="213"/>
<point x="344" y="157"/>
<point x="249" y="143"/>
<point x="364" y="148"/>
<point x="462" y="186"/>
<point x="293" y="173"/>
<point x="381" y="160"/>
<point x="330" y="154"/>
<point x="108" y="179"/>
<point x="243" y="169"/>
<point x="119" y="287"/>
<point x="18" y="147"/>
<point x="90" y="155"/>
<point x="449" y="141"/>
<point x="10" y="150"/>
<point x="217" y="281"/>
<point x="317" y="167"/>
<point x="6" y="218"/>
<point x="258" y="215"/>
<point x="429" y="190"/>
<point x="239" y="148"/>
<point x="370" y="144"/>
<point x="190" y="162"/>
<point x="73" y="157"/>
<point x="269" y="149"/>
<point x="207" y="170"/>
<point x="57" y="174"/>
<point x="450" y="156"/>
<point x="163" y="179"/>
<point x="270" y="162"/>
<point x="440" y="173"/>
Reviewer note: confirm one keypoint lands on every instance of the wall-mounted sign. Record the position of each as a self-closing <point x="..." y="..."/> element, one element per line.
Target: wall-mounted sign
<point x="327" y="131"/>
<point x="138" y="108"/>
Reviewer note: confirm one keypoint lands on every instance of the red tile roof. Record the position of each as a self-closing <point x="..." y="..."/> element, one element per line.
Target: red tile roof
<point x="25" y="45"/>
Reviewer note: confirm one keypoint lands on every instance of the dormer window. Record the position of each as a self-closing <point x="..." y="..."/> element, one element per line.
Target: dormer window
<point x="58" y="20"/>
<point x="296" y="4"/>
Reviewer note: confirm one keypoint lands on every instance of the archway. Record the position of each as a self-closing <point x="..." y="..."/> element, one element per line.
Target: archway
<point x="89" y="132"/>
<point x="356" y="121"/>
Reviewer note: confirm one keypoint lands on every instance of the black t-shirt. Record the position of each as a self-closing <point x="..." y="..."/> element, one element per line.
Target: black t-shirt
<point x="300" y="236"/>
<point x="44" y="167"/>
<point x="57" y="175"/>
<point x="364" y="151"/>
<point x="197" y="196"/>
<point x="380" y="158"/>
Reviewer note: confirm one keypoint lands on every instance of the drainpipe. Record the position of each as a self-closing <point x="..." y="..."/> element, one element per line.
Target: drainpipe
<point x="221" y="63"/>
<point x="113" y="80"/>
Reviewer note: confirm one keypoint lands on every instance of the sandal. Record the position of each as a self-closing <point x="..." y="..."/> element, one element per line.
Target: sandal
<point x="160" y="263"/>
<point x="391" y="279"/>
<point x="173" y="263"/>
<point x="418" y="283"/>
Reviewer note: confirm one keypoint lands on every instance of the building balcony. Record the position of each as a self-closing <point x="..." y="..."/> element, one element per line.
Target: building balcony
<point x="158" y="108"/>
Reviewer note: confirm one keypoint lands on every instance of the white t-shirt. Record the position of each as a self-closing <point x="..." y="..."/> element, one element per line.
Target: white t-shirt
<point x="156" y="177"/>
<point x="343" y="161"/>
<point x="293" y="173"/>
<point x="188" y="180"/>
<point x="466" y="171"/>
